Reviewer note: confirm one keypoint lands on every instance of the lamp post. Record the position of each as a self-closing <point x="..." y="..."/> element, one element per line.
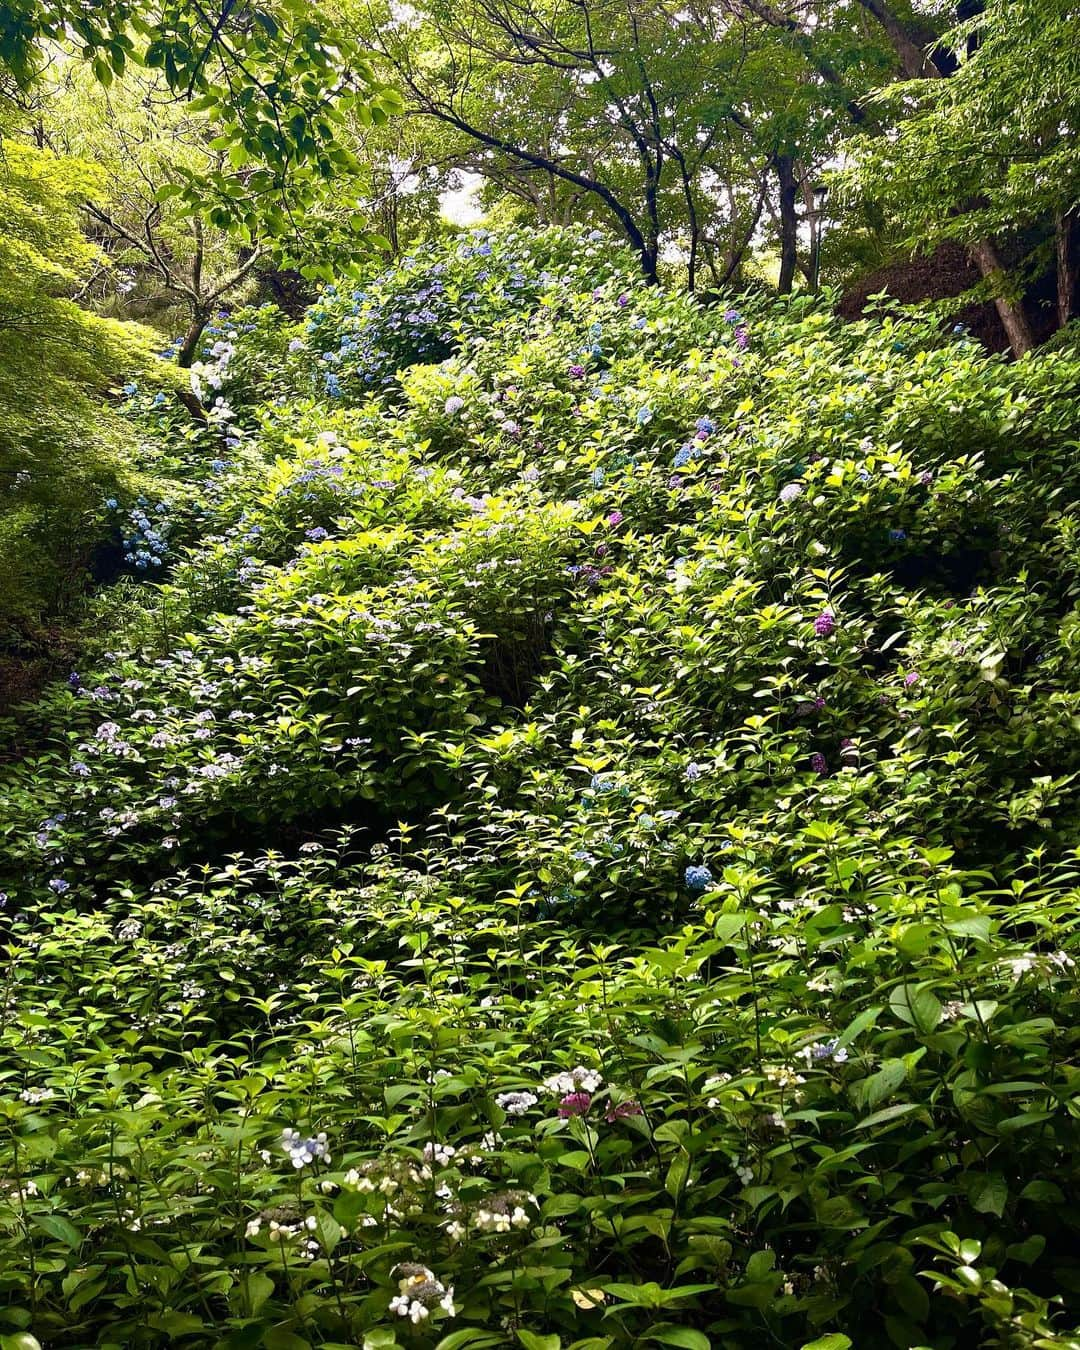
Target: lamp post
<point x="817" y="216"/>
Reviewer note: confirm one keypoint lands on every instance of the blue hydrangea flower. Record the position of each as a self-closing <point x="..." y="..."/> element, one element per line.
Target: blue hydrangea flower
<point x="697" y="878"/>
<point x="682" y="458"/>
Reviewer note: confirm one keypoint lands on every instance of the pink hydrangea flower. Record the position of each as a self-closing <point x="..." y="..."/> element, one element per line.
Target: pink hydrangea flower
<point x="574" y="1104"/>
<point x="621" y="1111"/>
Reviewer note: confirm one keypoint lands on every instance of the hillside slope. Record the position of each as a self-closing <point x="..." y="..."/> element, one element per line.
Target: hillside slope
<point x="606" y="778"/>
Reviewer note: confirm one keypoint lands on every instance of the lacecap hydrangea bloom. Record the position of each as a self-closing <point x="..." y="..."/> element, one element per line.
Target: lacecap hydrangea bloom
<point x="578" y="1079"/>
<point x="303" y="1151"/>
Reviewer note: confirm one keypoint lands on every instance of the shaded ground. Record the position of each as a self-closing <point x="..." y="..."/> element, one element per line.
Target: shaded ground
<point x="946" y="272"/>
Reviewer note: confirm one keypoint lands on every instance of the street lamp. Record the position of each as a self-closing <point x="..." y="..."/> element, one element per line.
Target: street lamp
<point x="818" y="193"/>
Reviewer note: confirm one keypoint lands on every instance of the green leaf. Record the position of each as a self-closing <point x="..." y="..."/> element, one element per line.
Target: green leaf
<point x="20" y="1340"/>
<point x="989" y="1194"/>
<point x="259" y="1287"/>
<point x="468" y="1336"/>
<point x="833" y="1341"/>
<point x="531" y="1341"/>
<point x="867" y="1092"/>
<point x="677" y="1174"/>
<point x="669" y="1334"/>
<point x="890" y="1113"/>
<point x="917" y="1006"/>
<point x="58" y="1228"/>
<point x="379" y="1338"/>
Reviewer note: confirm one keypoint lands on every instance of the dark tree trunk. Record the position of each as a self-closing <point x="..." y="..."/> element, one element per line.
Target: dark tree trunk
<point x="789" y="225"/>
<point x="1066" y="265"/>
<point x="190" y="345"/>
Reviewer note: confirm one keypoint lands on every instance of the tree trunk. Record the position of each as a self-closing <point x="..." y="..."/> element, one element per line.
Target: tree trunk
<point x="789" y="226"/>
<point x="190" y="345"/>
<point x="1011" y="314"/>
<point x="1065" y="258"/>
<point x="915" y="62"/>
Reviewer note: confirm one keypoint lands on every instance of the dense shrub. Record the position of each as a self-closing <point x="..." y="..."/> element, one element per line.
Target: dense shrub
<point x="613" y="792"/>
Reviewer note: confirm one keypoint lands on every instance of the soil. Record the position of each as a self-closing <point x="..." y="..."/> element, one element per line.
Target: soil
<point x="946" y="272"/>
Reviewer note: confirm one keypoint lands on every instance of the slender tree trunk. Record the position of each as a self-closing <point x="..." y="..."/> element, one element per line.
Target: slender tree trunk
<point x="1065" y="259"/>
<point x="1011" y="314"/>
<point x="789" y="228"/>
<point x="190" y="345"/>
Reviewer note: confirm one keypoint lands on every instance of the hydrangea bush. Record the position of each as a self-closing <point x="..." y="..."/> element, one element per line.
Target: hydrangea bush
<point x="591" y="859"/>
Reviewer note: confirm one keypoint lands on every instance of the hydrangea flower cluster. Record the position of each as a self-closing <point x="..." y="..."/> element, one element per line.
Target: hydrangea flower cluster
<point x="420" y="1293"/>
<point x="303" y="1151"/>
<point x="145" y="536"/>
<point x="516" y="1103"/>
<point x="578" y="1079"/>
<point x="825" y="1051"/>
<point x="504" y="1212"/>
<point x="698" y="879"/>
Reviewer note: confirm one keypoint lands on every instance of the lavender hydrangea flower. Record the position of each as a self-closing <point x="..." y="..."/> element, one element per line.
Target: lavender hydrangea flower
<point x="791" y="492"/>
<point x="825" y="624"/>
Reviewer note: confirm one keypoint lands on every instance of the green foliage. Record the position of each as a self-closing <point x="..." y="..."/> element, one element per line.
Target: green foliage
<point x="61" y="450"/>
<point x="613" y="792"/>
<point x="274" y="80"/>
<point x="986" y="151"/>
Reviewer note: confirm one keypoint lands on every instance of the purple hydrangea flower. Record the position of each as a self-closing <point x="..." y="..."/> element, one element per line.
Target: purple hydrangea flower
<point x="616" y="518"/>
<point x="819" y="763"/>
<point x="574" y="1104"/>
<point x="824" y="624"/>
